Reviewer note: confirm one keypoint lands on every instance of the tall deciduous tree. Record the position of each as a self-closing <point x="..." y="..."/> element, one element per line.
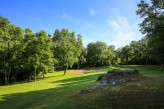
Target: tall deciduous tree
<point x="46" y="59"/>
<point x="126" y="53"/>
<point x="32" y="53"/>
<point x="64" y="48"/>
<point x="110" y="55"/>
<point x="80" y="51"/>
<point x="96" y="53"/>
<point x="11" y="48"/>
<point x="153" y="25"/>
<point x="15" y="49"/>
<point x="4" y="40"/>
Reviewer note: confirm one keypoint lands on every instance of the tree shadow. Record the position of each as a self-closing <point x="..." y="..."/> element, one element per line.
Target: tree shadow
<point x="42" y="78"/>
<point x="52" y="98"/>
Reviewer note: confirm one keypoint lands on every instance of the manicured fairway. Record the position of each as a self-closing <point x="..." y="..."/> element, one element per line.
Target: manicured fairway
<point x="51" y="92"/>
<point x="56" y="91"/>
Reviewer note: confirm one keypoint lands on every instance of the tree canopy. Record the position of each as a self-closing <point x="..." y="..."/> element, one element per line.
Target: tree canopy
<point x="153" y="25"/>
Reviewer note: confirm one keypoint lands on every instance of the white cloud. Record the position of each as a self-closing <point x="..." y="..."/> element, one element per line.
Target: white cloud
<point x="123" y="32"/>
<point x="92" y="12"/>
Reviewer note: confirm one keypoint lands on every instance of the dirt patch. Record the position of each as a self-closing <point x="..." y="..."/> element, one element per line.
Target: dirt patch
<point x="79" y="71"/>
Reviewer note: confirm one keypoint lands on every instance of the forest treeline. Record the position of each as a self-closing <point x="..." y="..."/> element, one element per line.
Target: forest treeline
<point x="24" y="55"/>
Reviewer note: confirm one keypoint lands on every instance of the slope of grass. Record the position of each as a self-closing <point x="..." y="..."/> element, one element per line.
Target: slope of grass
<point x="146" y="93"/>
<point x="56" y="91"/>
<point x="52" y="92"/>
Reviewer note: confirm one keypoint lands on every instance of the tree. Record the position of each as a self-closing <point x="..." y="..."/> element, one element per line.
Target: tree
<point x="39" y="58"/>
<point x="118" y="58"/>
<point x="126" y="53"/>
<point x="24" y="55"/>
<point x="145" y="53"/>
<point x="15" y="49"/>
<point x="80" y="51"/>
<point x="11" y="49"/>
<point x="46" y="59"/>
<point x="82" y="58"/>
<point x="63" y="49"/>
<point x="73" y="47"/>
<point x="31" y="53"/>
<point x="4" y="40"/>
<point x="110" y="55"/>
<point x="152" y="26"/>
<point x="136" y="52"/>
<point x="96" y="53"/>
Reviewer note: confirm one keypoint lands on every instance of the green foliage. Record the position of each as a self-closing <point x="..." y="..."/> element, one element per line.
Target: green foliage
<point x="67" y="49"/>
<point x="99" y="54"/>
<point x="110" y="57"/>
<point x="148" y="50"/>
<point x="80" y="52"/>
<point x="152" y="26"/>
<point x="23" y="54"/>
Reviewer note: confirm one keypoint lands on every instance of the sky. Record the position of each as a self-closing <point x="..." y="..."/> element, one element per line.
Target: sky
<point x="111" y="21"/>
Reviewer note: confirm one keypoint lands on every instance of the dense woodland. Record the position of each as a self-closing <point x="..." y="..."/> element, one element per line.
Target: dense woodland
<point x="25" y="55"/>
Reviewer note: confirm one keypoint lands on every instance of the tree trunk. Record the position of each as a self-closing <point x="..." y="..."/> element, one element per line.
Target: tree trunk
<point x="35" y="75"/>
<point x="140" y="62"/>
<point x="127" y="62"/>
<point x="65" y="71"/>
<point x="43" y="73"/>
<point x="5" y="77"/>
<point x="101" y="63"/>
<point x="146" y="61"/>
<point x="161" y="65"/>
<point x="9" y="73"/>
<point x="78" y="65"/>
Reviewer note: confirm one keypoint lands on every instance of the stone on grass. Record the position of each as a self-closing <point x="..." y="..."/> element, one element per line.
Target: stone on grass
<point x="114" y="77"/>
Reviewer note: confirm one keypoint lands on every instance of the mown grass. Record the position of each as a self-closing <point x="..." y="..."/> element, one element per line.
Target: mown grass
<point x="52" y="92"/>
<point x="56" y="91"/>
<point x="146" y="93"/>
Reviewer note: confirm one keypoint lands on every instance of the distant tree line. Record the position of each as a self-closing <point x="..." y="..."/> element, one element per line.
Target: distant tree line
<point x="25" y="55"/>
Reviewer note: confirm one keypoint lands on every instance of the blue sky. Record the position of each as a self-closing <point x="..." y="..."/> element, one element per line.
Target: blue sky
<point x="112" y="21"/>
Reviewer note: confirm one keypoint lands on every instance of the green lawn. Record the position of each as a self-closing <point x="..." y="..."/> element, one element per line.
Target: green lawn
<point x="56" y="91"/>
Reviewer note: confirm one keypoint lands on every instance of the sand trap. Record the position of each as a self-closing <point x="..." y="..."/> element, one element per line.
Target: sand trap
<point x="79" y="71"/>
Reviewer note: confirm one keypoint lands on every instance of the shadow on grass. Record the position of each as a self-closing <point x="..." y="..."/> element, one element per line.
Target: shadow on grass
<point x="53" y="98"/>
<point x="29" y="81"/>
<point x="42" y="78"/>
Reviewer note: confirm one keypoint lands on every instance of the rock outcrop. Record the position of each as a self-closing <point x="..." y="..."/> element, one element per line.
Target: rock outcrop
<point x="114" y="77"/>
